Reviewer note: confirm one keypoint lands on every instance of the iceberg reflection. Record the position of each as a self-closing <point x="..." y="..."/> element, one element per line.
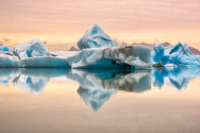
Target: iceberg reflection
<point x="176" y="77"/>
<point x="98" y="86"/>
<point x="30" y="80"/>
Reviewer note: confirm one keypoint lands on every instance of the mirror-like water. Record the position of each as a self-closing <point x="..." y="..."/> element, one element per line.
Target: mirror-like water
<point x="107" y="100"/>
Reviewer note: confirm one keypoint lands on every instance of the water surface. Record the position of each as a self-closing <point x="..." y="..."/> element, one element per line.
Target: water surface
<point x="63" y="100"/>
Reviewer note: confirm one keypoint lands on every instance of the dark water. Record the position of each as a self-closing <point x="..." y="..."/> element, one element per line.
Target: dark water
<point x="63" y="100"/>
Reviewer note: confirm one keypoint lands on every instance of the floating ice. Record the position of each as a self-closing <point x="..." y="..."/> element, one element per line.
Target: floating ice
<point x="176" y="77"/>
<point x="95" y="37"/>
<point x="115" y="57"/>
<point x="5" y="48"/>
<point x="33" y="48"/>
<point x="44" y="62"/>
<point x="8" y="61"/>
<point x="178" y="54"/>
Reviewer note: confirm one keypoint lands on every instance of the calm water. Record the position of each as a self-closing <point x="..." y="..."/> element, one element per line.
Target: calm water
<point x="105" y="101"/>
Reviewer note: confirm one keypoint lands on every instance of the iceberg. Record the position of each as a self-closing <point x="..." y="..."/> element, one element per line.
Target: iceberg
<point x="95" y="37"/>
<point x="98" y="50"/>
<point x="137" y="57"/>
<point x="175" y="77"/>
<point x="178" y="54"/>
<point x="34" y="48"/>
<point x="5" y="48"/>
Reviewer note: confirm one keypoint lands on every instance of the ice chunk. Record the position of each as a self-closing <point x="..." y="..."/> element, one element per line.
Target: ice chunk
<point x="137" y="57"/>
<point x="63" y="54"/>
<point x="23" y="55"/>
<point x="8" y="61"/>
<point x="95" y="37"/>
<point x="5" y="48"/>
<point x="33" y="48"/>
<point x="178" y="55"/>
<point x="44" y="62"/>
<point x="176" y="77"/>
<point x="34" y="62"/>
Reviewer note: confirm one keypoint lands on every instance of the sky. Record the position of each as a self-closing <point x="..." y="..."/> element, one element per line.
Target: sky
<point x="61" y="23"/>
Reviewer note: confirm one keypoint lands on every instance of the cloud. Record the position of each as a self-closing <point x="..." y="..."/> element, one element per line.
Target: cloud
<point x="45" y="42"/>
<point x="1" y="43"/>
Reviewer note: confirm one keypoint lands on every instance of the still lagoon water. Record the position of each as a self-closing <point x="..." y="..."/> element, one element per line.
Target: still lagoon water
<point x="101" y="101"/>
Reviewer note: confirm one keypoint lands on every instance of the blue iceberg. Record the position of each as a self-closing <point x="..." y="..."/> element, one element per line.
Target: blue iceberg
<point x="5" y="48"/>
<point x="178" y="55"/>
<point x="34" y="48"/>
<point x="95" y="37"/>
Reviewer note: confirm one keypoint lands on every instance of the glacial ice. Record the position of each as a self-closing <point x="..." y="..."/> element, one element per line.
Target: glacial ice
<point x="178" y="55"/>
<point x="175" y="77"/>
<point x="137" y="57"/>
<point x="44" y="62"/>
<point x="95" y="37"/>
<point x="98" y="50"/>
<point x="5" y="48"/>
<point x="8" y="61"/>
<point x="34" y="48"/>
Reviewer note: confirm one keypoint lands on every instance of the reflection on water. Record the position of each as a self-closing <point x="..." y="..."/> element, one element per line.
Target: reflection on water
<point x="30" y="80"/>
<point x="175" y="77"/>
<point x="98" y="86"/>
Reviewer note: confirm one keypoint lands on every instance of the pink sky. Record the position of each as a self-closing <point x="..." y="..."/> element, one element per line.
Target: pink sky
<point x="63" y="22"/>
